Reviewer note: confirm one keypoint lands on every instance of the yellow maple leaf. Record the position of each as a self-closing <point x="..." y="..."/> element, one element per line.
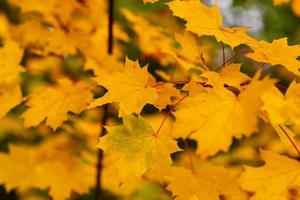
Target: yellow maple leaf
<point x="274" y="180"/>
<point x="53" y="11"/>
<point x="11" y="55"/>
<point x="54" y="103"/>
<point x="132" y="88"/>
<point x="281" y="108"/>
<point x="10" y="68"/>
<point x="42" y="39"/>
<point x="150" y="1"/>
<point x="201" y="180"/>
<point x="278" y="2"/>
<point x="294" y="3"/>
<point x="204" y="20"/>
<point x="190" y="54"/>
<point x="30" y="34"/>
<point x="10" y="96"/>
<point x="155" y="42"/>
<point x="37" y="6"/>
<point x="268" y="53"/>
<point x="296" y="7"/>
<point x="136" y="148"/>
<point x="232" y="76"/>
<point x="281" y="112"/>
<point x="47" y="165"/>
<point x="220" y="114"/>
<point x="165" y="92"/>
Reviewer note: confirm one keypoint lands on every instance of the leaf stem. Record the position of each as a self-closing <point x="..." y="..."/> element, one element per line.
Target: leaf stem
<point x="171" y="109"/>
<point x="291" y="141"/>
<point x="233" y="57"/>
<point x="163" y="122"/>
<point x="224" y="56"/>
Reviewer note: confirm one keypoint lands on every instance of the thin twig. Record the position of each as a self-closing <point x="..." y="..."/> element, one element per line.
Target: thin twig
<point x="223" y="52"/>
<point x="171" y="109"/>
<point x="291" y="141"/>
<point x="234" y="56"/>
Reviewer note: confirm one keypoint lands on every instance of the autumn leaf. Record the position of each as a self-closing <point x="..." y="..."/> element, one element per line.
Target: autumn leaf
<point x="204" y="20"/>
<point x="268" y="53"/>
<point x="223" y="106"/>
<point x="10" y="96"/>
<point x="232" y="76"/>
<point x="11" y="55"/>
<point x="190" y="54"/>
<point x="295" y="4"/>
<point x="150" y="1"/>
<point x="155" y="42"/>
<point x="165" y="93"/>
<point x="137" y="148"/>
<point x="275" y="180"/>
<point x="47" y="165"/>
<point x="54" y="103"/>
<point x="10" y="92"/>
<point x="132" y="88"/>
<point x="201" y="180"/>
<point x="279" y="2"/>
<point x="281" y="108"/>
<point x="286" y="135"/>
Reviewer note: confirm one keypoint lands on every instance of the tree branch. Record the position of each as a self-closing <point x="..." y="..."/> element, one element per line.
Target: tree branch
<point x="98" y="193"/>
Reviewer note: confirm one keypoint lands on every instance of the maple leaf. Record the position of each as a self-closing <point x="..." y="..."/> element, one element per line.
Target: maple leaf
<point x="37" y="6"/>
<point x="10" y="68"/>
<point x="165" y="93"/>
<point x="10" y="91"/>
<point x="232" y="76"/>
<point x="31" y="34"/>
<point x="294" y="3"/>
<point x="268" y="53"/>
<point x="54" y="103"/>
<point x="132" y="88"/>
<point x="278" y="2"/>
<point x="296" y="7"/>
<point x="101" y="68"/>
<point x="274" y="180"/>
<point x="137" y="148"/>
<point x="190" y="54"/>
<point x="281" y="108"/>
<point x="53" y="11"/>
<point x="10" y="96"/>
<point x="150" y="1"/>
<point x="204" y="20"/>
<point x="201" y="180"/>
<point x="155" y="42"/>
<point x="219" y="114"/>
<point x="281" y="112"/>
<point x="43" y="39"/>
<point x="47" y="165"/>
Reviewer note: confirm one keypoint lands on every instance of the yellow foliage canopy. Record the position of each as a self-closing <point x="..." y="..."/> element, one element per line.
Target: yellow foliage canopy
<point x="47" y="165"/>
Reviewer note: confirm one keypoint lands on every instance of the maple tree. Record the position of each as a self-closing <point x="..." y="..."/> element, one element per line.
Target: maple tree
<point x="82" y="116"/>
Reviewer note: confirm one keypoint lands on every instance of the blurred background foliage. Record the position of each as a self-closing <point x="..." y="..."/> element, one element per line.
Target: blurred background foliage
<point x="268" y="23"/>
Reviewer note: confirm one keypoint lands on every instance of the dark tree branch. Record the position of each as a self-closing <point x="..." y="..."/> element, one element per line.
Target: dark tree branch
<point x="99" y="193"/>
<point x="110" y="26"/>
